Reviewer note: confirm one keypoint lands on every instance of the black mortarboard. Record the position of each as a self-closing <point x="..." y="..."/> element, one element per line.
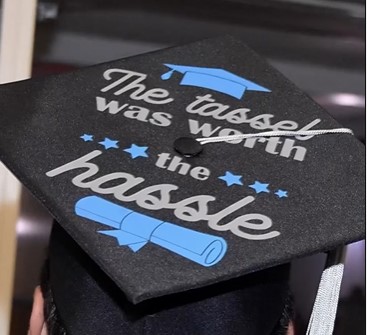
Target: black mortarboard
<point x="112" y="152"/>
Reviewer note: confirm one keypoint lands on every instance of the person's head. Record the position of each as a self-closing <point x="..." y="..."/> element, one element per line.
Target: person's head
<point x="89" y="302"/>
<point x="182" y="230"/>
<point x="45" y="318"/>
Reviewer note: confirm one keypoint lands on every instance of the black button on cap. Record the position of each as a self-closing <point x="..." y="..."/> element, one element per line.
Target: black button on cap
<point x="187" y="146"/>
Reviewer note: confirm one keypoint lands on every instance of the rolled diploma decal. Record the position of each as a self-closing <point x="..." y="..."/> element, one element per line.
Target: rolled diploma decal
<point x="135" y="230"/>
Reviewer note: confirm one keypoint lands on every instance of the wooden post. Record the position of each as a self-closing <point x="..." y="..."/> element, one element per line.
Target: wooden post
<point x="16" y="54"/>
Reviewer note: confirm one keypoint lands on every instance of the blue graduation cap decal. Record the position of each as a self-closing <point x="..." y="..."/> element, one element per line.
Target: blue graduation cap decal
<point x="215" y="79"/>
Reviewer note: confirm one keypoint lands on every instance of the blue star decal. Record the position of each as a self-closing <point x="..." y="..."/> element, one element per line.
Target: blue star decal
<point x="282" y="194"/>
<point x="87" y="138"/>
<point x="231" y="179"/>
<point x="108" y="143"/>
<point x="137" y="151"/>
<point x="260" y="187"/>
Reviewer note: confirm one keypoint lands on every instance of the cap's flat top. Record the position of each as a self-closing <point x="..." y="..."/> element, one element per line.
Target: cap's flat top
<point x="96" y="147"/>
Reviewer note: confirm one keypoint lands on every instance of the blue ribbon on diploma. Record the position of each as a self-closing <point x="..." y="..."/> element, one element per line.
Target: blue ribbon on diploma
<point x="135" y="230"/>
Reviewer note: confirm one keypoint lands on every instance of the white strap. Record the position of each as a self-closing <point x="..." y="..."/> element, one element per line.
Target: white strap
<point x="206" y="140"/>
<point x="324" y="310"/>
<point x="326" y="303"/>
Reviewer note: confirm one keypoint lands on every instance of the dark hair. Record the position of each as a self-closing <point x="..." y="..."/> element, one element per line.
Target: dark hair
<point x="288" y="316"/>
<point x="55" y="326"/>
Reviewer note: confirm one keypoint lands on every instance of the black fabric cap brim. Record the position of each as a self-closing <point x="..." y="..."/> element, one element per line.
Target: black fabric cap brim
<point x="88" y="302"/>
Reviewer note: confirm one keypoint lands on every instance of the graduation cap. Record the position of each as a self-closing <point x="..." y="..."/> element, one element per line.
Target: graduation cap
<point x="218" y="80"/>
<point x="179" y="207"/>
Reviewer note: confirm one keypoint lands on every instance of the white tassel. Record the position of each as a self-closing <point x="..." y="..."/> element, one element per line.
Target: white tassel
<point x="326" y="303"/>
<point x="277" y="133"/>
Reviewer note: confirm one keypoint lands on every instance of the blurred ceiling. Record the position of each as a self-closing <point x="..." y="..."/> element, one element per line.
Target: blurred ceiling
<point x="325" y="16"/>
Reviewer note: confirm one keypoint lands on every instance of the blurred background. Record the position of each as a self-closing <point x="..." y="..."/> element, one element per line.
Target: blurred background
<point x="318" y="44"/>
